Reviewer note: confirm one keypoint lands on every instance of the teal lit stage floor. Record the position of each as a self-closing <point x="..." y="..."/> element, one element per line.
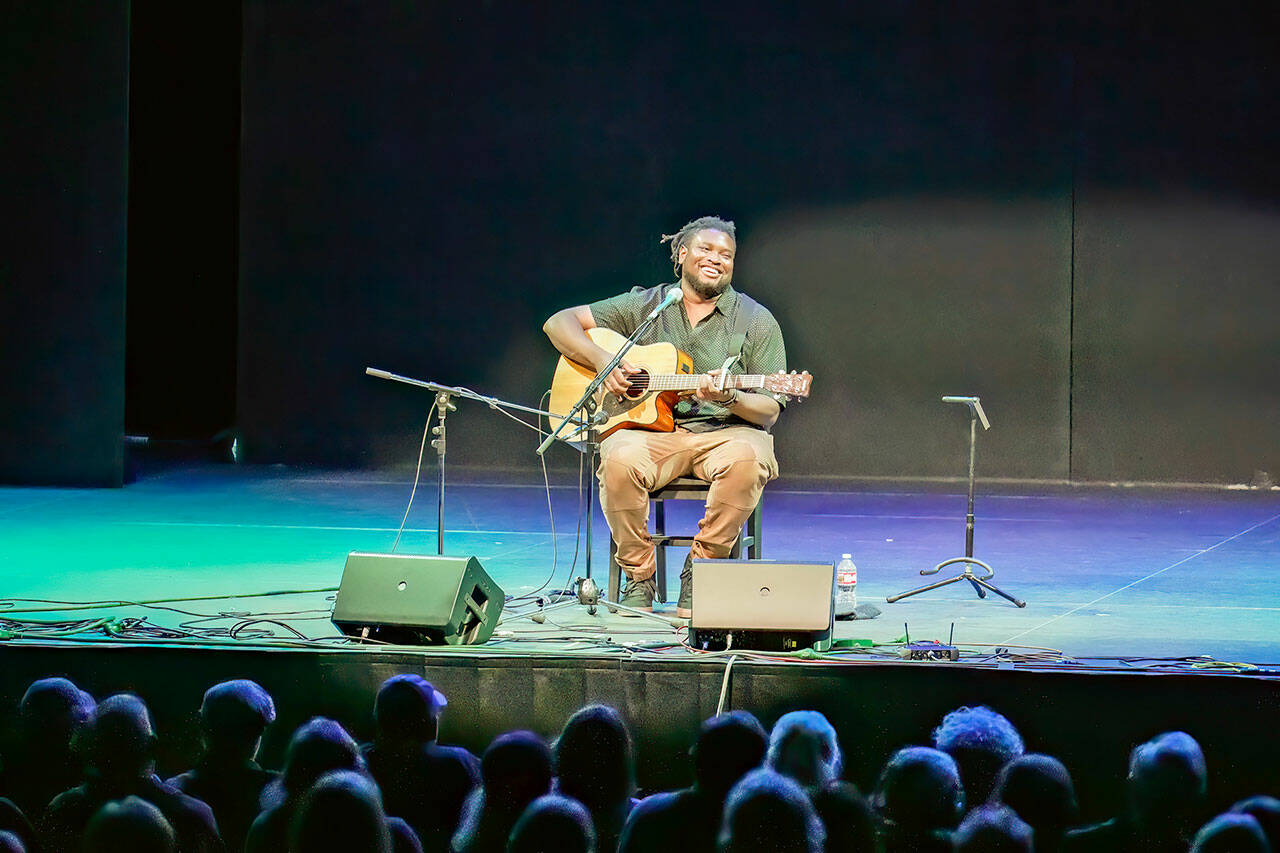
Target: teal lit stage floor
<point x="1126" y="575"/>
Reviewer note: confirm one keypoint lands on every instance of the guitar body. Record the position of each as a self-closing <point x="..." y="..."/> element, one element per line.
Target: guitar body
<point x="642" y="408"/>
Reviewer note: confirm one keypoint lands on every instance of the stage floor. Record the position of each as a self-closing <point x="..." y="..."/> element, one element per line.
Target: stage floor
<point x="1112" y="576"/>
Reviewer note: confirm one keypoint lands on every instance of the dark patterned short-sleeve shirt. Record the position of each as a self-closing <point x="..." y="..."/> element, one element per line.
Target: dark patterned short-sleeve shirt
<point x="707" y="343"/>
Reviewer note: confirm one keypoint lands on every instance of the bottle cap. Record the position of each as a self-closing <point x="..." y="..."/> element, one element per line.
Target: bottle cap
<point x="846" y="556"/>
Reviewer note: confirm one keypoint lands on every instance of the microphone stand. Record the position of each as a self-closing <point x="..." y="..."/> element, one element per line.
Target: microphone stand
<point x="980" y="583"/>
<point x="444" y="405"/>
<point x="588" y="399"/>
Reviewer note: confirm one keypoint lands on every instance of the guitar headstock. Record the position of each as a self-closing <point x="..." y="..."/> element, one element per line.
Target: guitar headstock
<point x="794" y="385"/>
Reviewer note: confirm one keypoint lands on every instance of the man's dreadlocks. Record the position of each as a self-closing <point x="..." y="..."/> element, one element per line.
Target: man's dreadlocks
<point x="684" y="235"/>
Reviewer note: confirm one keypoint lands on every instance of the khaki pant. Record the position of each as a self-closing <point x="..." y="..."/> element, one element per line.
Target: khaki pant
<point x="736" y="461"/>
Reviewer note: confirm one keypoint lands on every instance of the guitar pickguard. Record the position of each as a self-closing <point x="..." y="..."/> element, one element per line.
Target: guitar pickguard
<point x="612" y="406"/>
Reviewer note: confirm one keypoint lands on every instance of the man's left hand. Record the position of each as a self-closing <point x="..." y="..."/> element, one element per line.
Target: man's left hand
<point x="709" y="389"/>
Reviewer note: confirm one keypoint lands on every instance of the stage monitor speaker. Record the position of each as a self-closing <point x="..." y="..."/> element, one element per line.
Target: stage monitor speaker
<point x="410" y="599"/>
<point x="766" y="605"/>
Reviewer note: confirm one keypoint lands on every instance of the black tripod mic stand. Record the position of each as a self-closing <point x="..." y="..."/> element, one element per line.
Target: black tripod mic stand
<point x="981" y="583"/>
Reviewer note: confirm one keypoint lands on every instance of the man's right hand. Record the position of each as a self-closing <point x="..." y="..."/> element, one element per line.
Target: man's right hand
<point x="618" y="381"/>
<point x="568" y="329"/>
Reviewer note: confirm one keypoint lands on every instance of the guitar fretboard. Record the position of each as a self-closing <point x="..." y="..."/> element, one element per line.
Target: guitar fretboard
<point x="690" y="382"/>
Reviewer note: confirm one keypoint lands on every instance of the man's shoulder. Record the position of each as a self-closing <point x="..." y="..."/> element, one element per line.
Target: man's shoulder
<point x="662" y="803"/>
<point x="68" y="801"/>
<point x="655" y="820"/>
<point x="622" y="312"/>
<point x="760" y="313"/>
<point x="457" y="759"/>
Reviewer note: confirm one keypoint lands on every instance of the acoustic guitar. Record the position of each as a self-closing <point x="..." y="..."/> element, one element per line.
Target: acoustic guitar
<point x="664" y="372"/>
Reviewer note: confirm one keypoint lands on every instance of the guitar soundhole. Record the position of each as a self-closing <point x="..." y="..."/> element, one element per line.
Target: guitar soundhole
<point x="639" y="385"/>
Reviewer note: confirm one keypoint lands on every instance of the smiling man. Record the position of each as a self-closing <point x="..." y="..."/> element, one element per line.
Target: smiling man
<point x="721" y="436"/>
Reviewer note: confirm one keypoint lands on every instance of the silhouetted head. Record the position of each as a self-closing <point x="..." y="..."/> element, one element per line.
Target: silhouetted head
<point x="803" y="745"/>
<point x="553" y="824"/>
<point x="317" y="747"/>
<point x="130" y="824"/>
<point x="847" y="817"/>
<point x="1265" y="810"/>
<point x="14" y="822"/>
<point x="52" y="712"/>
<point x="234" y="715"/>
<point x="516" y="770"/>
<point x="728" y="746"/>
<point x="342" y="811"/>
<point x="992" y="829"/>
<point x="121" y="738"/>
<point x="593" y="758"/>
<point x="1167" y="784"/>
<point x="11" y="843"/>
<point x="981" y="741"/>
<point x="1231" y="833"/>
<point x="920" y="790"/>
<point x="408" y="709"/>
<point x="1039" y="788"/>
<point x="769" y="813"/>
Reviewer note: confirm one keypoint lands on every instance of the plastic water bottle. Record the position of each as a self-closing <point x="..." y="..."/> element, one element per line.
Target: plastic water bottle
<point x="846" y="586"/>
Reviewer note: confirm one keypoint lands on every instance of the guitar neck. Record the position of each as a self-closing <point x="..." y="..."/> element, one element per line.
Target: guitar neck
<point x="691" y="382"/>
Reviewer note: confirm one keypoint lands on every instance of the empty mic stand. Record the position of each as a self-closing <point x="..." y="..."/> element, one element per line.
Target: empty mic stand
<point x="981" y="583"/>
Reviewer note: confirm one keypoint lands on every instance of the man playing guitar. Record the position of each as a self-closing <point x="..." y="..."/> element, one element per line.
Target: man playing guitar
<point x="721" y="434"/>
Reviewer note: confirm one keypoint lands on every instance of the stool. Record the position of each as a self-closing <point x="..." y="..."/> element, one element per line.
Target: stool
<point x="684" y="489"/>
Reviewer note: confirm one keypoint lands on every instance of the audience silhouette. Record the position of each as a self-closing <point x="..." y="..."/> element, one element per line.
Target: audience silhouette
<point x="727" y="748"/>
<point x="981" y="741"/>
<point x="44" y="761"/>
<point x="594" y="765"/>
<point x="803" y="745"/>
<point x="14" y="822"/>
<point x="1039" y="789"/>
<point x="847" y="817"/>
<point x="130" y="824"/>
<point x="233" y="716"/>
<point x="121" y="762"/>
<point x="422" y="782"/>
<point x="1265" y="810"/>
<point x="1231" y="833"/>
<point x="752" y="791"/>
<point x="1166" y="792"/>
<point x="317" y="747"/>
<point x="920" y="799"/>
<point x="342" y="812"/>
<point x="553" y="823"/>
<point x="993" y="829"/>
<point x="515" y="771"/>
<point x="767" y="812"/>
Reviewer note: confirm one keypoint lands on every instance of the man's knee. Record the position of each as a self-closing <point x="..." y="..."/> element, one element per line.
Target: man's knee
<point x="745" y="475"/>
<point x="743" y="461"/>
<point x="623" y="484"/>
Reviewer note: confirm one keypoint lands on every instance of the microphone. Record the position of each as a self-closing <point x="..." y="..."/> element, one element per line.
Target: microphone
<point x="674" y="295"/>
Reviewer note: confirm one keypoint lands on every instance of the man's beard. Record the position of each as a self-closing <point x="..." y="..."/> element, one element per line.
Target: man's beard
<point x="702" y="288"/>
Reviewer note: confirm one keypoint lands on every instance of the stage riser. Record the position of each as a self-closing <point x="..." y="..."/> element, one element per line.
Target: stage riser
<point x="1090" y="721"/>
